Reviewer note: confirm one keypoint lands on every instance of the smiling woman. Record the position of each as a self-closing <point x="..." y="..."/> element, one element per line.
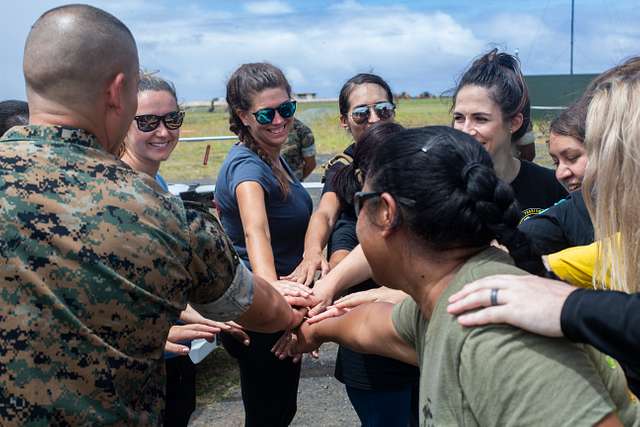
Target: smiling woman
<point x="155" y="130"/>
<point x="265" y="211"/>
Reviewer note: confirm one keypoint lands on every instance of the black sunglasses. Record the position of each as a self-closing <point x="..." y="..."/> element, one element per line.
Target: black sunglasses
<point x="362" y="196"/>
<point x="384" y="110"/>
<point x="264" y="116"/>
<point x="150" y="122"/>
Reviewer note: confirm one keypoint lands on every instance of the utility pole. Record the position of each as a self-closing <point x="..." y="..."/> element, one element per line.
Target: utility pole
<point x="572" y="18"/>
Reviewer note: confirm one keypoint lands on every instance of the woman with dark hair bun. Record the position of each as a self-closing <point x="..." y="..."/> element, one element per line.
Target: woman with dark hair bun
<point x="491" y="103"/>
<point x="383" y="391"/>
<point x="265" y="211"/>
<point x="428" y="234"/>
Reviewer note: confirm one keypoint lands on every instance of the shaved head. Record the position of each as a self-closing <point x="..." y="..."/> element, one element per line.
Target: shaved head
<point x="74" y="51"/>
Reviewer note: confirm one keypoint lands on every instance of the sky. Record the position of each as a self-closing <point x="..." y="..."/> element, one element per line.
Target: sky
<point x="415" y="45"/>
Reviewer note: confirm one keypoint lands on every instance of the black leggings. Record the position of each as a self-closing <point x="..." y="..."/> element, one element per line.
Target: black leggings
<point x="269" y="385"/>
<point x="181" y="391"/>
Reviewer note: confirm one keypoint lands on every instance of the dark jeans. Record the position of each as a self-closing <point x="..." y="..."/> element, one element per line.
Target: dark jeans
<point x="269" y="385"/>
<point x="181" y="391"/>
<point x="386" y="408"/>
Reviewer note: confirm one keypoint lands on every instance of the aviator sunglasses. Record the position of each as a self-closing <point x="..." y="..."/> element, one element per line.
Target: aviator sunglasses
<point x="150" y="122"/>
<point x="384" y="110"/>
<point x="265" y="116"/>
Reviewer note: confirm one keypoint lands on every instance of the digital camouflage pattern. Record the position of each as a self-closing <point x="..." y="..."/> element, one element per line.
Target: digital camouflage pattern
<point x="300" y="144"/>
<point x="96" y="264"/>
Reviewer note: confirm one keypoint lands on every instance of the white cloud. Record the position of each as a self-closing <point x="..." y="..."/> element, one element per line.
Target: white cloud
<point x="269" y="7"/>
<point x="198" y="45"/>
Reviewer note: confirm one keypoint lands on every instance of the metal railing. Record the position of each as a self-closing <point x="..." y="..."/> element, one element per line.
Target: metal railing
<point x="209" y="138"/>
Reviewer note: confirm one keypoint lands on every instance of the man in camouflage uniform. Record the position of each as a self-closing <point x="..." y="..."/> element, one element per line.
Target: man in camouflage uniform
<point x="300" y="150"/>
<point x="96" y="263"/>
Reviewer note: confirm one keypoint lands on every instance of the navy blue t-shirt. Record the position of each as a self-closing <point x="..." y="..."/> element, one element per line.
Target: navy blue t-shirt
<point x="288" y="217"/>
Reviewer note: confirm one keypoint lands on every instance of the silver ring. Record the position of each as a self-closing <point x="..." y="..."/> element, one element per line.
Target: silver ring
<point x="494" y="296"/>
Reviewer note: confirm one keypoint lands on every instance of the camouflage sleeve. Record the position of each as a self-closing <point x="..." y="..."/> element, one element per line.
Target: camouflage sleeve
<point x="307" y="142"/>
<point x="223" y="286"/>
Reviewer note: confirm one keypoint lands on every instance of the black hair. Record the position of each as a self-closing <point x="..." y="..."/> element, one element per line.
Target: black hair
<point x="13" y="113"/>
<point x="500" y="74"/>
<point x="350" y="179"/>
<point x="243" y="85"/>
<point x="360" y="79"/>
<point x="459" y="200"/>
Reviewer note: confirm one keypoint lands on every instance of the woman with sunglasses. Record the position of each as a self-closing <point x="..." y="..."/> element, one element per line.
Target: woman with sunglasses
<point x="429" y="234"/>
<point x="364" y="99"/>
<point x="150" y="140"/>
<point x="265" y="211"/>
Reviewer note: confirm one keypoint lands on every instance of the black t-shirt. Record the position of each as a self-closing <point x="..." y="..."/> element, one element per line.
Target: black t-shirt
<point x="536" y="188"/>
<point x="563" y="225"/>
<point x="358" y="370"/>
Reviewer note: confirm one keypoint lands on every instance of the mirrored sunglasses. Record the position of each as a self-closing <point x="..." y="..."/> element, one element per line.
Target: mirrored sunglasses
<point x="265" y="116"/>
<point x="150" y="122"/>
<point x="384" y="110"/>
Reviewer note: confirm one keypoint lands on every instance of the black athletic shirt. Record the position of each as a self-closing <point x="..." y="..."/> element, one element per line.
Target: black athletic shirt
<point x="563" y="225"/>
<point x="536" y="188"/>
<point x="607" y="320"/>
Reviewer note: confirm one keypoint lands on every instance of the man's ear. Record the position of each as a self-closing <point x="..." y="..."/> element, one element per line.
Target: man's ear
<point x="516" y="122"/>
<point x="116" y="92"/>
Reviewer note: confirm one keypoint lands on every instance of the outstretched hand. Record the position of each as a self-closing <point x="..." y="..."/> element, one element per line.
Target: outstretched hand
<point x="528" y="302"/>
<point x="295" y="294"/>
<point x="187" y="333"/>
<point x="296" y="344"/>
<point x="381" y="294"/>
<point x="306" y="270"/>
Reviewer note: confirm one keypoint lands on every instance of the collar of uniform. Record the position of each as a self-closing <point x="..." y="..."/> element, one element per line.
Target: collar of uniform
<point x="52" y="133"/>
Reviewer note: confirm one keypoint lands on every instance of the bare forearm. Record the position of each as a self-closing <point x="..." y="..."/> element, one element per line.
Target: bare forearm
<point x="261" y="255"/>
<point x="350" y="271"/>
<point x="365" y="329"/>
<point x="269" y="312"/>
<point x="317" y="236"/>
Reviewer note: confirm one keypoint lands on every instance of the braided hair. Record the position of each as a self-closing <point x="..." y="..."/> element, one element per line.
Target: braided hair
<point x="243" y="85"/>
<point x="459" y="200"/>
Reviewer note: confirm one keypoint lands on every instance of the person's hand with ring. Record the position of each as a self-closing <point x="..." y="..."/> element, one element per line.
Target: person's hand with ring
<point x="528" y="302"/>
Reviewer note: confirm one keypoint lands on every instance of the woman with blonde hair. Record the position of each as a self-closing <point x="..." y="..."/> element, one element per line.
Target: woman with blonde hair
<point x="604" y="319"/>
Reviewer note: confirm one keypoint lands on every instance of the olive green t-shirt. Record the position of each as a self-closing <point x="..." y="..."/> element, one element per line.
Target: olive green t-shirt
<point x="498" y="375"/>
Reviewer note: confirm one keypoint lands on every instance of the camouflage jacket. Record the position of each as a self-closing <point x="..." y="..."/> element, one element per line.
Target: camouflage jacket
<point x="300" y="144"/>
<point x="96" y="263"/>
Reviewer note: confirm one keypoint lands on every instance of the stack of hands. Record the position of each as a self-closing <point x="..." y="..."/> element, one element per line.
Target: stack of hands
<point x="319" y="302"/>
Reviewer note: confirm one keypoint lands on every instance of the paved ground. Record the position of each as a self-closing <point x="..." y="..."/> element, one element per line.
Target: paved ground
<point x="322" y="400"/>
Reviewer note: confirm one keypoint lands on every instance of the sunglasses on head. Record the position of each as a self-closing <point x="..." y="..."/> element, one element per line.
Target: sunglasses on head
<point x="384" y="110"/>
<point x="362" y="196"/>
<point x="150" y="122"/>
<point x="265" y="116"/>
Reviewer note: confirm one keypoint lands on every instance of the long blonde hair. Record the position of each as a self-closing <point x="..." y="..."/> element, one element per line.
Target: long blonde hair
<point x="611" y="187"/>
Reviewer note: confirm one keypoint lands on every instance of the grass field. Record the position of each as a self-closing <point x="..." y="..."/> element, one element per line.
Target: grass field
<point x="186" y="162"/>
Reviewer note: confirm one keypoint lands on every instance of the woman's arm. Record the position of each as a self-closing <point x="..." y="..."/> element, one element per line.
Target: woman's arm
<point x="366" y="329"/>
<point x="318" y="231"/>
<point x="353" y="269"/>
<point x="253" y="214"/>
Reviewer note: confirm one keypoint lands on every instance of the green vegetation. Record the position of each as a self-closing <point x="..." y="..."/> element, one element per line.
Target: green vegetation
<point x="186" y="162"/>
